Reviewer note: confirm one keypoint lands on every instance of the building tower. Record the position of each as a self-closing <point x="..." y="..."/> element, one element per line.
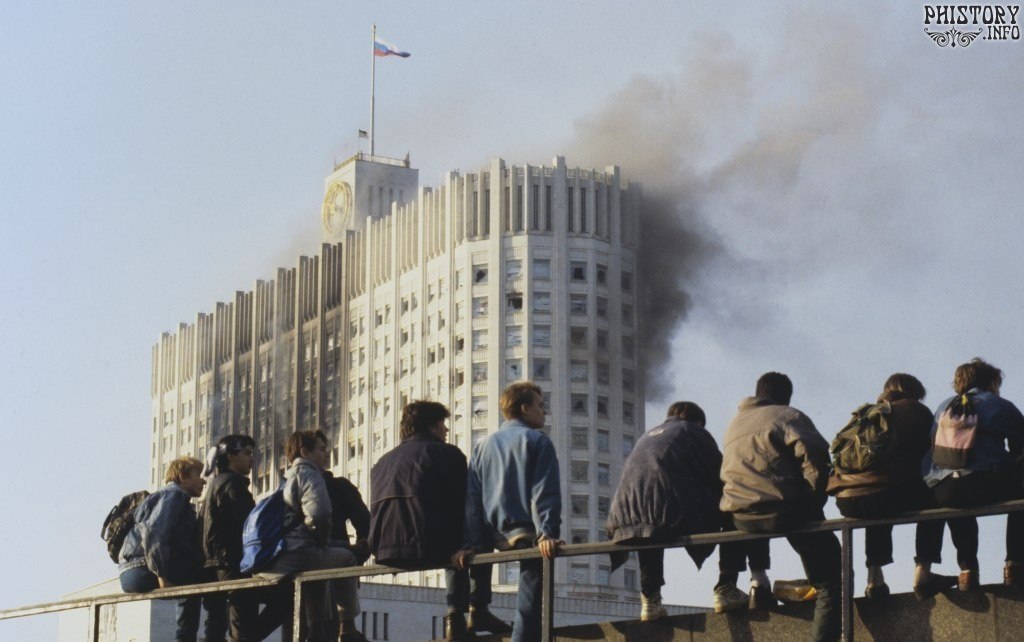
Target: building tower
<point x="507" y="273"/>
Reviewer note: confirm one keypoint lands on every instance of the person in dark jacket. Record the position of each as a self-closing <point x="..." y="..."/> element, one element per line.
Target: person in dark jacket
<point x="894" y="485"/>
<point x="670" y="487"/>
<point x="347" y="505"/>
<point x="992" y="473"/>
<point x="419" y="495"/>
<point x="162" y="548"/>
<point x="775" y="469"/>
<point x="222" y="516"/>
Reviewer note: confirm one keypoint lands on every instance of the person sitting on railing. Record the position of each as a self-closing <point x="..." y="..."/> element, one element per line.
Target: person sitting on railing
<point x="514" y="500"/>
<point x="222" y="514"/>
<point x="990" y="472"/>
<point x="418" y="511"/>
<point x="162" y="549"/>
<point x="775" y="467"/>
<point x="307" y="544"/>
<point x="347" y="505"/>
<point x="891" y="482"/>
<point x="670" y="487"/>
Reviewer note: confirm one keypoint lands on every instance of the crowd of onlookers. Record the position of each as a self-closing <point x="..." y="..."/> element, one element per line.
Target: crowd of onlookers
<point x="431" y="507"/>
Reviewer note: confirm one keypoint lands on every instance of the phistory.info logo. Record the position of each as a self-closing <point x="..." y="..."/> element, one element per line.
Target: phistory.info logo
<point x="966" y="22"/>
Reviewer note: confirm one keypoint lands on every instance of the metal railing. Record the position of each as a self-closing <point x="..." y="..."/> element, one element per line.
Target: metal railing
<point x="843" y="525"/>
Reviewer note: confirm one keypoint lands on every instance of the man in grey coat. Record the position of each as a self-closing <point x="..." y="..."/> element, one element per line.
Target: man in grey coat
<point x="775" y="469"/>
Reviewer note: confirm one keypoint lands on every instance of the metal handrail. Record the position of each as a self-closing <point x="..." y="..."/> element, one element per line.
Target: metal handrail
<point x="844" y="525"/>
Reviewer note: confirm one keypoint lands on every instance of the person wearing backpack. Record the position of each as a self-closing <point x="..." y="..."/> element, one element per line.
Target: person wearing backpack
<point x="222" y="514"/>
<point x="670" y="487"/>
<point x="774" y="469"/>
<point x="307" y="543"/>
<point x="977" y="441"/>
<point x="418" y="509"/>
<point x="162" y="548"/>
<point x="877" y="473"/>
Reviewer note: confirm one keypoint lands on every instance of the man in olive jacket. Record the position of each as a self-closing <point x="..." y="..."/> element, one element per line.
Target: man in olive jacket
<point x="775" y="469"/>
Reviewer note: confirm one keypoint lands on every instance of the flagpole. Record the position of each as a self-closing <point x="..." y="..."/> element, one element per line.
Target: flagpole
<point x="373" y="83"/>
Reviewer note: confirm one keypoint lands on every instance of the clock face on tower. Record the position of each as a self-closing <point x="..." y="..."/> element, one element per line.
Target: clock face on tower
<point x="337" y="208"/>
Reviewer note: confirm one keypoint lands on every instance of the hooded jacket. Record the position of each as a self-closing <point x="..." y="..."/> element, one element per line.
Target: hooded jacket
<point x="165" y="537"/>
<point x="418" y="507"/>
<point x="774" y="461"/>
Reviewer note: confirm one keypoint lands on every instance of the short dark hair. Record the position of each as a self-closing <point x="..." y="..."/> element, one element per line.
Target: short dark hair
<point x="774" y="386"/>
<point x="418" y="417"/>
<point x="231" y="444"/>
<point x="902" y="386"/>
<point x="687" y="411"/>
<point x="302" y="439"/>
<point x="976" y="374"/>
<point x="518" y="395"/>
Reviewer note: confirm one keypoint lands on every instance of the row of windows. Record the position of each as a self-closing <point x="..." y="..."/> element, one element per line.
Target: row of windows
<point x="579" y="305"/>
<point x="578" y="273"/>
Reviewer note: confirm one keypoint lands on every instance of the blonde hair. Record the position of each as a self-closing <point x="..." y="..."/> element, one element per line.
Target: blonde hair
<point x="518" y="395"/>
<point x="181" y="468"/>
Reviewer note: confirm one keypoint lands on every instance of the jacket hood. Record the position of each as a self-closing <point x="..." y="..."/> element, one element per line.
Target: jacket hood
<point x="297" y="465"/>
<point x="756" y="402"/>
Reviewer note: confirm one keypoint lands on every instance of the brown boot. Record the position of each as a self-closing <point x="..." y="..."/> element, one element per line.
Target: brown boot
<point x="1013" y="575"/>
<point x="455" y="627"/>
<point x="483" y="620"/>
<point x="968" y="581"/>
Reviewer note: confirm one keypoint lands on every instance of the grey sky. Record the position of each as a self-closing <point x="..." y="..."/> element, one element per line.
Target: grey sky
<point x="856" y="188"/>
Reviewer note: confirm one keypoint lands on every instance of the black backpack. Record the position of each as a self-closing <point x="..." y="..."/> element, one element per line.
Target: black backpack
<point x="119" y="522"/>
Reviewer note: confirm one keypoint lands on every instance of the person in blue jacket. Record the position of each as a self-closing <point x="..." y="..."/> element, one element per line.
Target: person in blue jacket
<point x="162" y="549"/>
<point x="513" y="499"/>
<point x="991" y="473"/>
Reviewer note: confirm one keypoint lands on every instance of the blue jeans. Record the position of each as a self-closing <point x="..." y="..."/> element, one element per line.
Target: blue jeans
<point x="216" y="625"/>
<point x="471" y="587"/>
<point x="526" y="627"/>
<point x="138" y="580"/>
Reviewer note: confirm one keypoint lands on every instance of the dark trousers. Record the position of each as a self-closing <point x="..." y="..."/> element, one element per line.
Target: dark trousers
<point x="821" y="555"/>
<point x="884" y="503"/>
<point x="188" y="613"/>
<point x="975" y="489"/>
<point x="247" y="622"/>
<point x="732" y="560"/>
<point x="468" y="588"/>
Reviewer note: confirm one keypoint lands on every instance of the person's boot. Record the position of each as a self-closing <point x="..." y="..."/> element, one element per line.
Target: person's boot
<point x="968" y="581"/>
<point x="455" y="627"/>
<point x="651" y="608"/>
<point x="761" y="598"/>
<point x="933" y="584"/>
<point x="1013" y="575"/>
<point x="483" y="620"/>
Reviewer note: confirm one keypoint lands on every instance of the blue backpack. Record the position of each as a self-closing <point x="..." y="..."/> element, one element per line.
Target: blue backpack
<point x="263" y="532"/>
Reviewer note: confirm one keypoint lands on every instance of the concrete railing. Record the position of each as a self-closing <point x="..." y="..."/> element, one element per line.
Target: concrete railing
<point x="845" y="526"/>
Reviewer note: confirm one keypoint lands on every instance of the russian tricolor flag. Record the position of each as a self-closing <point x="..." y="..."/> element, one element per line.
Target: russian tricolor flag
<point x="383" y="48"/>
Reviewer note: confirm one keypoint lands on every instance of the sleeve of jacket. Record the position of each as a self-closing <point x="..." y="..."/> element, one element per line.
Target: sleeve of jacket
<point x="455" y="488"/>
<point x="474" y="527"/>
<point x="547" y="490"/>
<point x="239" y="503"/>
<point x="171" y="520"/>
<point x="316" y="506"/>
<point x="710" y="460"/>
<point x="811" y="451"/>
<point x="358" y="513"/>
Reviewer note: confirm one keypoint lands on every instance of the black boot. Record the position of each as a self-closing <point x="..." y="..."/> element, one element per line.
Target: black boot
<point x="484" y="620"/>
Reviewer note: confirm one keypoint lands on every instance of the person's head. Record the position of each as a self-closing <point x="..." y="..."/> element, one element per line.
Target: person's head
<point x="234" y="453"/>
<point x="424" y="418"/>
<point x="687" y="411"/>
<point x="902" y="386"/>
<point x="308" y="444"/>
<point x="977" y="374"/>
<point x="524" y="401"/>
<point x="775" y="387"/>
<point x="186" y="472"/>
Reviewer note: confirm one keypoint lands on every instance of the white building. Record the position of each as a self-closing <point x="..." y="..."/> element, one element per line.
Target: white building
<point x="448" y="293"/>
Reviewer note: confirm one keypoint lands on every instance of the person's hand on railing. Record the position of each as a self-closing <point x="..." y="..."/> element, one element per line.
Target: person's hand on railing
<point x="361" y="549"/>
<point x="549" y="547"/>
<point x="462" y="558"/>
